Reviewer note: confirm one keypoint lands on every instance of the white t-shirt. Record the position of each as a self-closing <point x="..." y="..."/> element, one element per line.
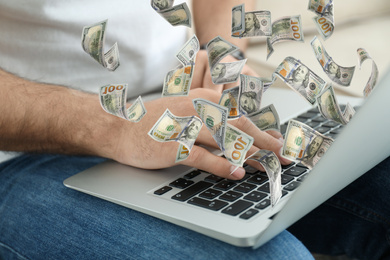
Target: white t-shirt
<point x="41" y="40"/>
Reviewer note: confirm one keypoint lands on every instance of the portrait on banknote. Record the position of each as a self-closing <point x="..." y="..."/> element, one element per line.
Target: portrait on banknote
<point x="252" y="26"/>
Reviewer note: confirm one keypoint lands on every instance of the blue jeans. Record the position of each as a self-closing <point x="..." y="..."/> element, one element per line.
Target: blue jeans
<point x="355" y="221"/>
<point x="42" y="219"/>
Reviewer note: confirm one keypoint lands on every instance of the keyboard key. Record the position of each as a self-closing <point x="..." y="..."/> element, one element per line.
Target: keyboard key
<point x="230" y="196"/>
<point x="292" y="186"/>
<point x="244" y="187"/>
<point x="331" y="124"/>
<point x="207" y="204"/>
<point x="264" y="188"/>
<point x="263" y="204"/>
<point x="257" y="179"/>
<point x="300" y="119"/>
<point x="192" y="191"/>
<point x="213" y="178"/>
<point x="250" y="170"/>
<point x="308" y="115"/>
<point x="255" y="196"/>
<point x="237" y="207"/>
<point x="322" y="129"/>
<point x="192" y="174"/>
<point x="225" y="185"/>
<point x="320" y="119"/>
<point x="295" y="171"/>
<point x="162" y="190"/>
<point x="249" y="213"/>
<point x="333" y="136"/>
<point x="302" y="166"/>
<point x="284" y="193"/>
<point x="287" y="166"/>
<point x="313" y="124"/>
<point x="286" y="179"/>
<point x="210" y="194"/>
<point x="181" y="183"/>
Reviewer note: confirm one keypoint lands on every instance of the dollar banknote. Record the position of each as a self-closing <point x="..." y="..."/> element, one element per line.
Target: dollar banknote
<point x="221" y="73"/>
<point x="338" y="74"/>
<point x="177" y="82"/>
<point x="266" y="118"/>
<point x="188" y="53"/>
<point x="251" y="91"/>
<point x="273" y="168"/>
<point x="237" y="143"/>
<point x="324" y="20"/>
<point x="238" y="20"/>
<point x="287" y="28"/>
<point x="330" y="109"/>
<point x="229" y="99"/>
<point x="92" y="41"/>
<point x="214" y="117"/>
<point x="316" y="149"/>
<point x="169" y="127"/>
<point x="304" y="144"/>
<point x="175" y="15"/>
<point x="300" y="78"/>
<point x="363" y="55"/>
<point x="136" y="111"/>
<point x="182" y="153"/>
<point x="113" y="101"/>
<point x="250" y="24"/>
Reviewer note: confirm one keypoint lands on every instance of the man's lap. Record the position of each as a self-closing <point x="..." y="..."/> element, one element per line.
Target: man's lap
<point x="39" y="217"/>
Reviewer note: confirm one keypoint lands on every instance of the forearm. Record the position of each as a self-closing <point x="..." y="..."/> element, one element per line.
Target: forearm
<point x="38" y="117"/>
<point x="213" y="18"/>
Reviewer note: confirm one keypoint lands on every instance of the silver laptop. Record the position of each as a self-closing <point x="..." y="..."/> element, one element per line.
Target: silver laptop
<point x="239" y="213"/>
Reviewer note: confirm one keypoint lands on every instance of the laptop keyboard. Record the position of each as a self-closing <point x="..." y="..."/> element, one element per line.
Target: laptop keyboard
<point x="249" y="196"/>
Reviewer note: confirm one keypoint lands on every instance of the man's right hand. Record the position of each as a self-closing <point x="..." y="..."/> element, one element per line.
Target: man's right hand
<point x="133" y="145"/>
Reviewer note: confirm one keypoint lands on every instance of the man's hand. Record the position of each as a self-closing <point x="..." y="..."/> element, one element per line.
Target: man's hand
<point x="135" y="147"/>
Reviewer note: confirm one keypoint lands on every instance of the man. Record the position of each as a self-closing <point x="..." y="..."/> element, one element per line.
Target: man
<point x="39" y="217"/>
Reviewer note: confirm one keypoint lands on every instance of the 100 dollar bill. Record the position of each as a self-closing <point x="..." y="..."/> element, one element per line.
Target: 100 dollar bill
<point x="237" y="143"/>
<point x="222" y="73"/>
<point x="301" y="79"/>
<point x="363" y="56"/>
<point x="285" y="29"/>
<point x="250" y="24"/>
<point x="338" y="74"/>
<point x="330" y="109"/>
<point x="175" y="15"/>
<point x="113" y="101"/>
<point x="273" y="168"/>
<point x="92" y="41"/>
<point x="266" y="119"/>
<point x="303" y="143"/>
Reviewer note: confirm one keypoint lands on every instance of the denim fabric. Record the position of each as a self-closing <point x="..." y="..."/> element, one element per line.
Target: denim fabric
<point x="42" y="219"/>
<point x="355" y="221"/>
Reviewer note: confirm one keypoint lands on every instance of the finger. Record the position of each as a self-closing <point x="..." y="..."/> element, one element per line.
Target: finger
<point x="275" y="134"/>
<point x="262" y="139"/>
<point x="204" y="160"/>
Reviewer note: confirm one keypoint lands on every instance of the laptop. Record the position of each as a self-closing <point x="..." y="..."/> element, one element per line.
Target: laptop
<point x="239" y="213"/>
